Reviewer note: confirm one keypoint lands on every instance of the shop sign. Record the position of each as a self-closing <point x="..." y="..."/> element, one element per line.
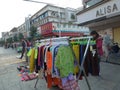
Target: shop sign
<point x="107" y="10"/>
<point x="46" y="28"/>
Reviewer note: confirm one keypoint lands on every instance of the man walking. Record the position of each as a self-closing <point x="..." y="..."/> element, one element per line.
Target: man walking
<point x="24" y="45"/>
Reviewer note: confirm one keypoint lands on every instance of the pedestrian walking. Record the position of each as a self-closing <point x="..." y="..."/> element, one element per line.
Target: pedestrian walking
<point x="24" y="45"/>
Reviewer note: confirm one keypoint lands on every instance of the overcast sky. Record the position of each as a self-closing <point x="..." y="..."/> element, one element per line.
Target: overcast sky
<point x="13" y="12"/>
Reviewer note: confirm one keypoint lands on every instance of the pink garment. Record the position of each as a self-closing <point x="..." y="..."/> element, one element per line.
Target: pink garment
<point x="99" y="42"/>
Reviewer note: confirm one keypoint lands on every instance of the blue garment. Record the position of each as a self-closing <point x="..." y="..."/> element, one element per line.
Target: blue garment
<point x="54" y="53"/>
<point x="65" y="79"/>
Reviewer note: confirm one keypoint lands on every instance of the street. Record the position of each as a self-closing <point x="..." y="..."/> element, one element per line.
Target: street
<point x="109" y="78"/>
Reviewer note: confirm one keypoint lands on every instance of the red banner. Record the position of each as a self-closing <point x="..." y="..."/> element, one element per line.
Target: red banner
<point x="46" y="28"/>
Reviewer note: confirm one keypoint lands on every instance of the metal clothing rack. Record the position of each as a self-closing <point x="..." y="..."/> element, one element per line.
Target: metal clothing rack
<point x="81" y="67"/>
<point x="52" y="40"/>
<point x="55" y="39"/>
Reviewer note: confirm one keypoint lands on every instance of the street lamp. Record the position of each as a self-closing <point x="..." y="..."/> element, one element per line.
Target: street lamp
<point x="38" y="2"/>
<point x="52" y="5"/>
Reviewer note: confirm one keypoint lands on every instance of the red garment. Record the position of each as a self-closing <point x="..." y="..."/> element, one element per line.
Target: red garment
<point x="52" y="81"/>
<point x="40" y="55"/>
<point x="99" y="46"/>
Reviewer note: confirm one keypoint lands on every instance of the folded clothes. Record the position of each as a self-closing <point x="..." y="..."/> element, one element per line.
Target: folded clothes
<point x="22" y="69"/>
<point x="26" y="77"/>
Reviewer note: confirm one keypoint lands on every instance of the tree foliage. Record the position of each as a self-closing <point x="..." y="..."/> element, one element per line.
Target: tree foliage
<point x="2" y="42"/>
<point x="33" y="32"/>
<point x="20" y="36"/>
<point x="9" y="40"/>
<point x="72" y="16"/>
<point x="15" y="38"/>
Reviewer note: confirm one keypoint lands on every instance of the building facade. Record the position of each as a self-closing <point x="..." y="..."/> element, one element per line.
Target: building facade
<point x="53" y="20"/>
<point x="102" y="16"/>
<point x="13" y="32"/>
<point x="21" y="29"/>
<point x="5" y="36"/>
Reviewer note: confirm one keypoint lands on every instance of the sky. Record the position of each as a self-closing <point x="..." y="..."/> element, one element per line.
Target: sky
<point x="13" y="12"/>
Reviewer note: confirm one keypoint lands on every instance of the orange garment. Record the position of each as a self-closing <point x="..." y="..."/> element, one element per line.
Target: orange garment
<point x="52" y="81"/>
<point x="49" y="60"/>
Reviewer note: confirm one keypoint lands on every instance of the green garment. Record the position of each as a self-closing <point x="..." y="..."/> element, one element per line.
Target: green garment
<point x="30" y="52"/>
<point x="36" y="53"/>
<point x="65" y="61"/>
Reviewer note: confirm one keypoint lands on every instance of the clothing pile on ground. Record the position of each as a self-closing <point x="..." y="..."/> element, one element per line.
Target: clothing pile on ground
<point x="25" y="74"/>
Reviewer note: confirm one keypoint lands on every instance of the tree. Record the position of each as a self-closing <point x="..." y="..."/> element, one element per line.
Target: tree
<point x="33" y="32"/>
<point x="20" y="36"/>
<point x="15" y="38"/>
<point x="2" y="42"/>
<point x="72" y="16"/>
<point x="9" y="40"/>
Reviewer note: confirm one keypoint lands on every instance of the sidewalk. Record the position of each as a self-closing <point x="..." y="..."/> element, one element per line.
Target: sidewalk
<point x="109" y="79"/>
<point x="113" y="59"/>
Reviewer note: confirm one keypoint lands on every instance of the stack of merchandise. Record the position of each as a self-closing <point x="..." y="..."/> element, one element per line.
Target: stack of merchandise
<point x="25" y="74"/>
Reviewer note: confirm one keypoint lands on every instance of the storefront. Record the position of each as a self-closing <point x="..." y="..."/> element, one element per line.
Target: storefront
<point x="52" y="29"/>
<point x="102" y="17"/>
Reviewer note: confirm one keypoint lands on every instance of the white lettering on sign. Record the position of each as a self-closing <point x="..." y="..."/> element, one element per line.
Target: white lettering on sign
<point x="106" y="10"/>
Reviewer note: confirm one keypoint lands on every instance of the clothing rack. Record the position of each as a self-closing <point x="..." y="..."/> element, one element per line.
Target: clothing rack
<point x="51" y="40"/>
<point x="55" y="39"/>
<point x="81" y="67"/>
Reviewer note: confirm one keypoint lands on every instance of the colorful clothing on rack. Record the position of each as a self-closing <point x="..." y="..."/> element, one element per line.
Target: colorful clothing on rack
<point x="77" y="54"/>
<point x="52" y="81"/>
<point x="65" y="61"/>
<point x="49" y="61"/>
<point x="69" y="83"/>
<point x="32" y="59"/>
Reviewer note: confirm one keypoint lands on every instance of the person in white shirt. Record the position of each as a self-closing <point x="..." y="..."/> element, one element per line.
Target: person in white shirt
<point x="107" y="43"/>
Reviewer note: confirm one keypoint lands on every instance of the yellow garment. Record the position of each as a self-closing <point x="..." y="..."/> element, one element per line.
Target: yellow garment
<point x="32" y="60"/>
<point x="30" y="52"/>
<point x="77" y="54"/>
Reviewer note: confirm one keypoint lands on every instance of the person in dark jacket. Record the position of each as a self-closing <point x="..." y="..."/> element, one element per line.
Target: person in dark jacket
<point x="23" y="48"/>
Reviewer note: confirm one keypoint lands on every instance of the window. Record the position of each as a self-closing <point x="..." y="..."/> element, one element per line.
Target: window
<point x="73" y="26"/>
<point x="69" y="26"/>
<point x="46" y="14"/>
<point x="64" y="25"/>
<point x="92" y="2"/>
<point x="58" y="25"/>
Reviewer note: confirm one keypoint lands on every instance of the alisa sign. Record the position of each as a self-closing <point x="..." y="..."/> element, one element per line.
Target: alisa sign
<point x="107" y="10"/>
